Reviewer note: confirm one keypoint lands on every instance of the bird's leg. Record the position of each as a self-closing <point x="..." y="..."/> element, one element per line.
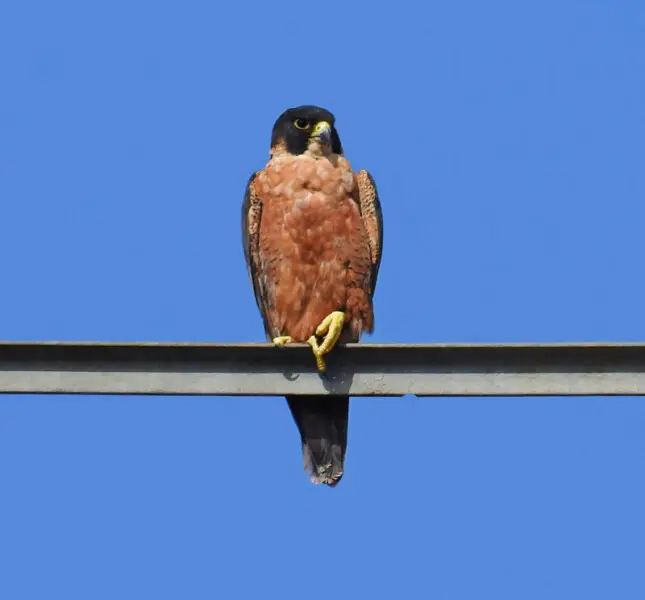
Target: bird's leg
<point x="282" y="340"/>
<point x="332" y="326"/>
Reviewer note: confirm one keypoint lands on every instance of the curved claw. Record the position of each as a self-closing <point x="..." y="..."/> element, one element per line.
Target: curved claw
<point x="282" y="340"/>
<point x="332" y="326"/>
<point x="320" y="361"/>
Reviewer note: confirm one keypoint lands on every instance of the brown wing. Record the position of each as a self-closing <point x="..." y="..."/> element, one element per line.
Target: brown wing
<point x="251" y="216"/>
<point x="372" y="215"/>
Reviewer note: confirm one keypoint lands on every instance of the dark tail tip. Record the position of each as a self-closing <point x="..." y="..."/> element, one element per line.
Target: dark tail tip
<point x="322" y="423"/>
<point x="317" y="465"/>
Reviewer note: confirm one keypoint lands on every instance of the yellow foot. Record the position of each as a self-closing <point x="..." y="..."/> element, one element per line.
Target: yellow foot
<point x="282" y="340"/>
<point x="332" y="326"/>
<point x="320" y="361"/>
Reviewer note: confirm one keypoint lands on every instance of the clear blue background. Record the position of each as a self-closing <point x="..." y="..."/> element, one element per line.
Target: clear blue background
<point x="507" y="142"/>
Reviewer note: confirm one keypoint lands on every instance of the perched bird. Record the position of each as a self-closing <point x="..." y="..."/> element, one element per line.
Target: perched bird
<point x="313" y="236"/>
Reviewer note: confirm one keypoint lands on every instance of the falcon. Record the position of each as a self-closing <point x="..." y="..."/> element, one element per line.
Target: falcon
<point x="312" y="231"/>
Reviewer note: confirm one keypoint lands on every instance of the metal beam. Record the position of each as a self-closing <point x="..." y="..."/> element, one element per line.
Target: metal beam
<point x="356" y="369"/>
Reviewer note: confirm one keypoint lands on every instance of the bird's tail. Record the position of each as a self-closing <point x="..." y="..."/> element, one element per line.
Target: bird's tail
<point x="322" y="423"/>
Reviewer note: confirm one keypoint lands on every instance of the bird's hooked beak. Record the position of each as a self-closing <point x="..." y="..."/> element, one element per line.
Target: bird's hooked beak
<point x="322" y="133"/>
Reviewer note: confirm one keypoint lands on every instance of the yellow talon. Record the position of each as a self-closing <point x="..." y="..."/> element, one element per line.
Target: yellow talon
<point x="332" y="325"/>
<point x="282" y="340"/>
<point x="320" y="361"/>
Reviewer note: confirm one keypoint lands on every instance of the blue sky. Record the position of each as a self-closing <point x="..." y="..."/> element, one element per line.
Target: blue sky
<point x="506" y="139"/>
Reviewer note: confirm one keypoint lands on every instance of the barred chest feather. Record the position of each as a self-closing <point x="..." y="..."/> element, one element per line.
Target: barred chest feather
<point x="298" y="178"/>
<point x="308" y="204"/>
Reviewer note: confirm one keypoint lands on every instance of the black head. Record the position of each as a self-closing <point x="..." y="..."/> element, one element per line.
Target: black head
<point x="296" y="129"/>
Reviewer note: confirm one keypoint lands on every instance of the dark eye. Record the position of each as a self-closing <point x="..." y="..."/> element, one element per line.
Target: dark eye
<point x="301" y="124"/>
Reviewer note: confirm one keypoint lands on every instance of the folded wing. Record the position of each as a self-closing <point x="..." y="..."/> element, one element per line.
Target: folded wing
<point x="372" y="216"/>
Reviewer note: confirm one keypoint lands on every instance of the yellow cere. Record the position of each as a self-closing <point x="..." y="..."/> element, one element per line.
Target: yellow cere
<point x="319" y="128"/>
